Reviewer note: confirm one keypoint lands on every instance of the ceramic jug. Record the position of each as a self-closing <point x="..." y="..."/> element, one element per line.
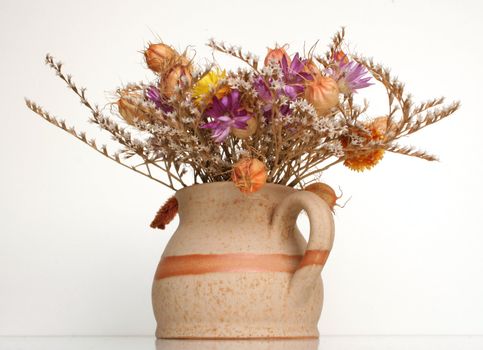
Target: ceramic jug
<point x="238" y="267"/>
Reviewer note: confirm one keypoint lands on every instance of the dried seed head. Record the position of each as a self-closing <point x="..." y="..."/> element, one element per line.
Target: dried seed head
<point x="130" y="111"/>
<point x="174" y="78"/>
<point x="325" y="192"/>
<point x="251" y="128"/>
<point x="323" y="94"/>
<point x="311" y="68"/>
<point x="158" y="56"/>
<point x="277" y="54"/>
<point x="249" y="175"/>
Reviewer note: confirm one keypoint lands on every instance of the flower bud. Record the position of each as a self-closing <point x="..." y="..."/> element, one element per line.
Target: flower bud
<point x="276" y="54"/>
<point x="173" y="79"/>
<point x="251" y="128"/>
<point x="158" y="57"/>
<point x="323" y="94"/>
<point x="130" y="111"/>
<point x="249" y="175"/>
<point x="325" y="192"/>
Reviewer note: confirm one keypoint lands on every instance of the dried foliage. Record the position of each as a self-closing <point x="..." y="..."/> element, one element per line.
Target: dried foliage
<point x="165" y="214"/>
<point x="193" y="124"/>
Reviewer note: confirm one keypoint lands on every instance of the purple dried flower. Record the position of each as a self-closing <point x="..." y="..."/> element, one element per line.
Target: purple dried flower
<point x="265" y="95"/>
<point x="350" y="75"/>
<point x="153" y="95"/>
<point x="227" y="114"/>
<point x="294" y="77"/>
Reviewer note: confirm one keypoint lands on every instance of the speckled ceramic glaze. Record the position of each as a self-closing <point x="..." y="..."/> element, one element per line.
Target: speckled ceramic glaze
<point x="238" y="267"/>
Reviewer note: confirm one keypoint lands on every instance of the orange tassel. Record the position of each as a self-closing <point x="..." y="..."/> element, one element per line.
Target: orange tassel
<point x="165" y="214"/>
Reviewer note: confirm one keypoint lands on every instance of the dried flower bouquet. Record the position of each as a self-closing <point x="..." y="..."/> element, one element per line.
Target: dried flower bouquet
<point x="284" y="120"/>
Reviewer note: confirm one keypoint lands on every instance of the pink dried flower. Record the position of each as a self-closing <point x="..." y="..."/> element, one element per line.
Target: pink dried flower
<point x="350" y="75"/>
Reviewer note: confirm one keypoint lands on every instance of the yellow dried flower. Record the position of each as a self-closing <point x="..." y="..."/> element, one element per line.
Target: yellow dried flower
<point x="204" y="89"/>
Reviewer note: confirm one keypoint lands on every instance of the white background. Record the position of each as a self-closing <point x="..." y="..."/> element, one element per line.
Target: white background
<point x="76" y="253"/>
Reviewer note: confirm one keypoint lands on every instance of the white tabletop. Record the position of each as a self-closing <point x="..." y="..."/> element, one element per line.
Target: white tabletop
<point x="325" y="343"/>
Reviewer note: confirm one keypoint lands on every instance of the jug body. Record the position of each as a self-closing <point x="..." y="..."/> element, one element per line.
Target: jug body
<point x="228" y="270"/>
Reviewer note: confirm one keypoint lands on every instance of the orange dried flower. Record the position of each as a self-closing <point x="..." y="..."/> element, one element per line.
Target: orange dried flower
<point x="360" y="160"/>
<point x="249" y="175"/>
<point x="325" y="192"/>
<point x="381" y="124"/>
<point x="364" y="160"/>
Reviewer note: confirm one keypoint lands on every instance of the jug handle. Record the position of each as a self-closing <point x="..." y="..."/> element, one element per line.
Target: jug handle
<point x="320" y="239"/>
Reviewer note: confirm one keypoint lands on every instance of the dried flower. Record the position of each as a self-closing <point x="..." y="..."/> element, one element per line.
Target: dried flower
<point x="363" y="160"/>
<point x="158" y="56"/>
<point x="227" y="114"/>
<point x="129" y="110"/>
<point x="209" y="85"/>
<point x="383" y="127"/>
<point x="323" y="94"/>
<point x="153" y="95"/>
<point x="295" y="76"/>
<point x="252" y="125"/>
<point x="264" y="93"/>
<point x="276" y="55"/>
<point x="249" y="175"/>
<point x="284" y="112"/>
<point x="366" y="157"/>
<point x="325" y="192"/>
<point x="350" y="75"/>
<point x="174" y="78"/>
<point x="165" y="214"/>
<point x="380" y="123"/>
